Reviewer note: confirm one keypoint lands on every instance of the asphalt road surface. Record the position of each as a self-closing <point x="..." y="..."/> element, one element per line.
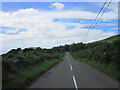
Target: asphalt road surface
<point x="73" y="74"/>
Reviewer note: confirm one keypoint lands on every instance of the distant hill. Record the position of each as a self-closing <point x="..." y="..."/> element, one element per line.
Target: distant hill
<point x="103" y="55"/>
<point x="110" y="39"/>
<point x="104" y="51"/>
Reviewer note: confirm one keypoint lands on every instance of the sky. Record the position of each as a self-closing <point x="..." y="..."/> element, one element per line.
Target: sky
<point x="49" y="24"/>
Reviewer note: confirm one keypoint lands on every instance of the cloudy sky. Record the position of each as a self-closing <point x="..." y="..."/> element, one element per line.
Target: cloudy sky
<point x="49" y="24"/>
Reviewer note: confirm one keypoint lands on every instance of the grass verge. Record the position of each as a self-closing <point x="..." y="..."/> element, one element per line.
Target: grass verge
<point x="24" y="77"/>
<point x="108" y="69"/>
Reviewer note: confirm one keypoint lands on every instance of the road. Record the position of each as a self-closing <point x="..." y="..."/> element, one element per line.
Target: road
<point x="73" y="74"/>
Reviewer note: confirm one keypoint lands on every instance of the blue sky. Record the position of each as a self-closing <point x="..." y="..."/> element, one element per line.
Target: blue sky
<point x="91" y="7"/>
<point x="48" y="24"/>
<point x="14" y="6"/>
<point x="11" y="30"/>
<point x="101" y="25"/>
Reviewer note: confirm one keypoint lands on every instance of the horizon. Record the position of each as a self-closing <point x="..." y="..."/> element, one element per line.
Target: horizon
<point x="54" y="46"/>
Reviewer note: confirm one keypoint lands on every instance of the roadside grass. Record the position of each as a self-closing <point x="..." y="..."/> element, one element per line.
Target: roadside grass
<point x="108" y="69"/>
<point x="26" y="76"/>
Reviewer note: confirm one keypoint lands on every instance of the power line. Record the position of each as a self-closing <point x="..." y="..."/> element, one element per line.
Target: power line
<point x="94" y="20"/>
<point x="101" y="16"/>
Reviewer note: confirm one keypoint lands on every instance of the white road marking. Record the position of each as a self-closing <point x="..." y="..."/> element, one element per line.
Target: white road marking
<point x="75" y="83"/>
<point x="74" y="80"/>
<point x="71" y="67"/>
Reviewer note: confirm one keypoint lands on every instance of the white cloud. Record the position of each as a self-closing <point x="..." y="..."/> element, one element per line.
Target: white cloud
<point x="43" y="32"/>
<point x="113" y="7"/>
<point x="58" y="6"/>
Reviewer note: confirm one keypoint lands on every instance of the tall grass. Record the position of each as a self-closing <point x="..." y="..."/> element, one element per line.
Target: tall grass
<point x="25" y="76"/>
<point x="108" y="69"/>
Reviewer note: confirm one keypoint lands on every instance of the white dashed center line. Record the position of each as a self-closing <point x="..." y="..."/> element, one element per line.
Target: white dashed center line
<point x="75" y="83"/>
<point x="71" y="67"/>
<point x="74" y="80"/>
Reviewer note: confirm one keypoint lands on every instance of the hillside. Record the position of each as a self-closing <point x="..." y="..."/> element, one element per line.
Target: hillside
<point x="103" y="55"/>
<point x="106" y="50"/>
<point x="20" y="67"/>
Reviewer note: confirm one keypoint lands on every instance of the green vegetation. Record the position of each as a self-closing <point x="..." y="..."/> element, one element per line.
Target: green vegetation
<point x="24" y="77"/>
<point x="20" y="67"/>
<point x="103" y="55"/>
<point x="109" y="69"/>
